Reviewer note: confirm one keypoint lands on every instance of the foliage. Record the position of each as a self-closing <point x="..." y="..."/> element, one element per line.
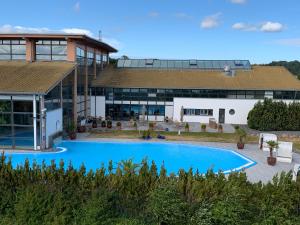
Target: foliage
<point x="71" y="127"/>
<point x="203" y="127"/>
<point x="272" y="145"/>
<point x="272" y="115"/>
<point x="127" y="193"/>
<point x="119" y="124"/>
<point x="241" y="135"/>
<point x="292" y="66"/>
<point x="187" y="126"/>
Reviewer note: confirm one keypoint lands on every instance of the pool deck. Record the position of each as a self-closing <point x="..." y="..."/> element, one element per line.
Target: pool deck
<point x="259" y="172"/>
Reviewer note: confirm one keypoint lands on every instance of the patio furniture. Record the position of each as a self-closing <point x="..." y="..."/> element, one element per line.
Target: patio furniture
<point x="161" y="137"/>
<point x="285" y="152"/>
<point x="296" y="171"/>
<point x="213" y="123"/>
<point x="264" y="138"/>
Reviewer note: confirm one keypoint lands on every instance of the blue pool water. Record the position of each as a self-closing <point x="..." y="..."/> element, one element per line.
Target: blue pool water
<point x="174" y="156"/>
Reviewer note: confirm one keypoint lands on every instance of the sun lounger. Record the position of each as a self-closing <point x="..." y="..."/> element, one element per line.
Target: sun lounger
<point x="296" y="171"/>
<point x="264" y="138"/>
<point x="160" y="136"/>
<point x="285" y="152"/>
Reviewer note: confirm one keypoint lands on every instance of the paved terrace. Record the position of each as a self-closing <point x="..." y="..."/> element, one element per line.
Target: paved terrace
<point x="259" y="172"/>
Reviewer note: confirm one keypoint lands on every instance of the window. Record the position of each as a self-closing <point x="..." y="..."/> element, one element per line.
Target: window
<point x="12" y="50"/>
<point x="198" y="112"/>
<point x="231" y="111"/>
<point x="55" y="50"/>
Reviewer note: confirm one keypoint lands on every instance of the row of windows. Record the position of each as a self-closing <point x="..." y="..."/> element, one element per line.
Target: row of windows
<point x="51" y="50"/>
<point x="198" y="112"/>
<point x="144" y="94"/>
<point x="12" y="50"/>
<point x="126" y="112"/>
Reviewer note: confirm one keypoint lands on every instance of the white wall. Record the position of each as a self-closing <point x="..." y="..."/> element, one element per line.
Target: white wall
<point x="99" y="106"/>
<point x="54" y="123"/>
<point x="241" y="107"/>
<point x="169" y="111"/>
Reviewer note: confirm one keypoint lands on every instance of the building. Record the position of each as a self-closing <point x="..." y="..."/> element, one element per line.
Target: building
<point x="49" y="81"/>
<point x="225" y="90"/>
<point x="45" y="85"/>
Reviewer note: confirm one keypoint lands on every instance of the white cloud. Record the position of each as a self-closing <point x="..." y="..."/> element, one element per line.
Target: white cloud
<point x="263" y="27"/>
<point x="211" y="21"/>
<point x="244" y="27"/>
<point x="20" y="29"/>
<point x="77" y="31"/>
<point x="294" y="42"/>
<point x="238" y="1"/>
<point x="76" y="7"/>
<point x="182" y="15"/>
<point x="271" y="27"/>
<point x="153" y="14"/>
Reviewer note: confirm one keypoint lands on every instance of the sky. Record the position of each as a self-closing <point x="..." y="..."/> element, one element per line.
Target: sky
<point x="259" y="30"/>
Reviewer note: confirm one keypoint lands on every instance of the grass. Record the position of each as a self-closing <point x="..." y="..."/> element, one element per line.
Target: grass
<point x="173" y="136"/>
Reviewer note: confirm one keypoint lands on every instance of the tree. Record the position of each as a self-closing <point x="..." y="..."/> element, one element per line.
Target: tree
<point x="166" y="206"/>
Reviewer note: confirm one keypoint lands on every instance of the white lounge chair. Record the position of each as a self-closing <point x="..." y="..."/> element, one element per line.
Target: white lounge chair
<point x="264" y="138"/>
<point x="295" y="171"/>
<point x="285" y="152"/>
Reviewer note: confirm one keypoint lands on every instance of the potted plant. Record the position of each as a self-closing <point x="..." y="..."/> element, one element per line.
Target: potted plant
<point x="94" y="123"/>
<point x="241" y="136"/>
<point x="103" y="123"/>
<point x="146" y="134"/>
<point x="135" y="125"/>
<point x="81" y="129"/>
<point x="187" y="127"/>
<point x="109" y="124"/>
<point x="151" y="126"/>
<point x="119" y="125"/>
<point x="220" y="128"/>
<point x="271" y="159"/>
<point x="72" y="131"/>
<point x="203" y="127"/>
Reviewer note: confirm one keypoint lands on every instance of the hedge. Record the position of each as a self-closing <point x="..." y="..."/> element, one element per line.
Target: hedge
<point x="272" y="115"/>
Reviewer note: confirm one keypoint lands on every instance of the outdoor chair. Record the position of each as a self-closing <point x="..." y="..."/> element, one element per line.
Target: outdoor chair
<point x="285" y="152"/>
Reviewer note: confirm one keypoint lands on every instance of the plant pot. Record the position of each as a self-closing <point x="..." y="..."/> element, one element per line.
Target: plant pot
<point x="240" y="145"/>
<point x="94" y="125"/>
<point x="81" y="129"/>
<point x="72" y="136"/>
<point x="271" y="160"/>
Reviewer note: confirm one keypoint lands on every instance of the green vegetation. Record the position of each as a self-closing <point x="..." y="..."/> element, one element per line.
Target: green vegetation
<point x="293" y="66"/>
<point x="136" y="194"/>
<point x="273" y="115"/>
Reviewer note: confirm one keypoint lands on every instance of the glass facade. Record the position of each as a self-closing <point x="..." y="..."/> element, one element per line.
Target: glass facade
<point x="48" y="50"/>
<point x="12" y="49"/>
<point x="198" y="112"/>
<point x="81" y="71"/>
<point x="16" y="123"/>
<point x="133" y="111"/>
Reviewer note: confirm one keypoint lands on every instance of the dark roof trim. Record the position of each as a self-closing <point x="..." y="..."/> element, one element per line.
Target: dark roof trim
<point x="61" y="35"/>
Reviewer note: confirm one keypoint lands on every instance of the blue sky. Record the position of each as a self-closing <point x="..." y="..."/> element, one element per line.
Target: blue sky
<point x="259" y="30"/>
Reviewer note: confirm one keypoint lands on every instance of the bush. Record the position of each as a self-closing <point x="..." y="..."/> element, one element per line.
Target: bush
<point x="136" y="194"/>
<point x="203" y="127"/>
<point x="272" y="115"/>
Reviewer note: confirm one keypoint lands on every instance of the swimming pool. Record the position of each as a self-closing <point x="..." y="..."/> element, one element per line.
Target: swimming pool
<point x="174" y="156"/>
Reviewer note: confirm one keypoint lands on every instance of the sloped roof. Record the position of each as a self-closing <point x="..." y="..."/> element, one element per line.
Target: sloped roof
<point x="32" y="78"/>
<point x="258" y="78"/>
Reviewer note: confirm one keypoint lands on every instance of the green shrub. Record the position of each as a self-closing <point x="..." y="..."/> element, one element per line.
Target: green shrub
<point x="272" y="115"/>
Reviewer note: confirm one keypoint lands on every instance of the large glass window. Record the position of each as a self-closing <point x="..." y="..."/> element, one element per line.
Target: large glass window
<point x="55" y="50"/>
<point x="12" y="49"/>
<point x="16" y="123"/>
<point x="198" y="112"/>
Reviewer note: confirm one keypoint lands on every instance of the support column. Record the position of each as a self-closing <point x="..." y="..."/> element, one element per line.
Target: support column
<point x="43" y="122"/>
<point x="34" y="123"/>
<point x="75" y="96"/>
<point x="85" y="84"/>
<point x="95" y="65"/>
